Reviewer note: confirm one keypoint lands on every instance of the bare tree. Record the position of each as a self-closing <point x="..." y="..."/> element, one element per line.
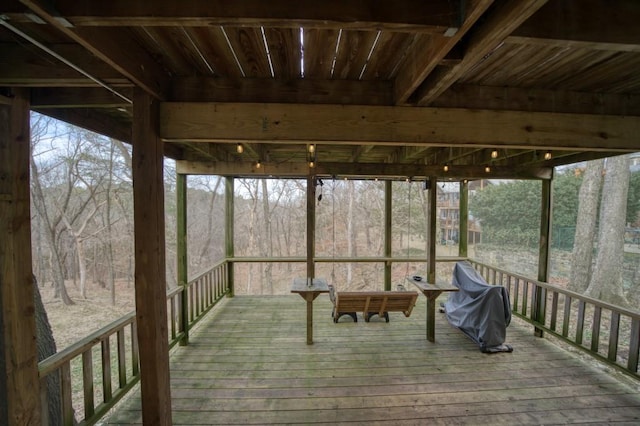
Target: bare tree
<point x="606" y="281"/>
<point x="582" y="257"/>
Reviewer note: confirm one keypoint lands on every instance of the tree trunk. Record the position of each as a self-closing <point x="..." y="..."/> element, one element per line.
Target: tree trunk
<point x="46" y="347"/>
<point x="268" y="238"/>
<point x="606" y="281"/>
<point x="351" y="230"/>
<point x="582" y="257"/>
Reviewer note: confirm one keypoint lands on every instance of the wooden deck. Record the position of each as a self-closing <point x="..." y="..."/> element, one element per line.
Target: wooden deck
<point x="248" y="363"/>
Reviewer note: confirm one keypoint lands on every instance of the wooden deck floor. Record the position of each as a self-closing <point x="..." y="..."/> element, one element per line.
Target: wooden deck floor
<point x="248" y="364"/>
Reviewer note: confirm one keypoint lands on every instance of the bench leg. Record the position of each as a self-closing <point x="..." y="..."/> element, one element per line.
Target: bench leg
<point x="368" y="316"/>
<point x="337" y="316"/>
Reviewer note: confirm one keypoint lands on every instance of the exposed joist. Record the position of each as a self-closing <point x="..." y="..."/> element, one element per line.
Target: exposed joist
<point x="501" y="21"/>
<point x="116" y="48"/>
<point x="593" y="24"/>
<point x="23" y="65"/>
<point x="406" y="15"/>
<point x="543" y="100"/>
<point x="90" y="97"/>
<point x="283" y="123"/>
<point x="360" y="170"/>
<point x="430" y="50"/>
<point x="91" y="119"/>
<point x="206" y="89"/>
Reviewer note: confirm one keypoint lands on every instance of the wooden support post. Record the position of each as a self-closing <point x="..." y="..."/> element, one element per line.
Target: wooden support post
<point x="388" y="217"/>
<point x="229" y="194"/>
<point x="150" y="274"/>
<point x="19" y="384"/>
<point x="432" y="226"/>
<point x="311" y="226"/>
<point x="546" y="209"/>
<point x="181" y="243"/>
<point x="463" y="232"/>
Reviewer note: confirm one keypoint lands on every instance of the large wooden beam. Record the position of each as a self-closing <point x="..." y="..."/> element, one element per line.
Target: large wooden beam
<point x="208" y="89"/>
<point x="283" y="123"/>
<point x="429" y="50"/>
<point x="150" y="274"/>
<point x="499" y="24"/>
<point x="540" y="100"/>
<point x="118" y="49"/>
<point x="358" y="170"/>
<point x="406" y="15"/>
<point x="19" y="382"/>
<point x="79" y="97"/>
<point x="92" y="119"/>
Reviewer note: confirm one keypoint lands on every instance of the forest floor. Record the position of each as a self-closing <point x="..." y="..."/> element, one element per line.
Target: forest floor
<point x="71" y="323"/>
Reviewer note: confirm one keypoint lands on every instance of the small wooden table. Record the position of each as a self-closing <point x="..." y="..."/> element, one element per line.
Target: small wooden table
<point x="431" y="291"/>
<point x="309" y="293"/>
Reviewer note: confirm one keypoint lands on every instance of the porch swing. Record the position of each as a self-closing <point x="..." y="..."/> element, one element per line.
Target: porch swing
<point x="369" y="303"/>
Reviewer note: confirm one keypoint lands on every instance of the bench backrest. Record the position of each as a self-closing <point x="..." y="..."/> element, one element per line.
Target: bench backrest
<point x="376" y="301"/>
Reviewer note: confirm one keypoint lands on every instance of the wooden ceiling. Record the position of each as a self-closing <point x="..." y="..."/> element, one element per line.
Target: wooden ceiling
<point x="379" y="88"/>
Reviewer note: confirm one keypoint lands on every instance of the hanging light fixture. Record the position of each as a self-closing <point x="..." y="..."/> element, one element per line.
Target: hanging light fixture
<point x="547" y="155"/>
<point x="312" y="164"/>
<point x="312" y="148"/>
<point x="239" y="148"/>
<point x="258" y="164"/>
<point x="446" y="168"/>
<point x="494" y="153"/>
<point x="487" y="169"/>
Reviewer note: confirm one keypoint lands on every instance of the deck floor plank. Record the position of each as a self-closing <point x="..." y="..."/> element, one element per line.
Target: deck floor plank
<point x="247" y="363"/>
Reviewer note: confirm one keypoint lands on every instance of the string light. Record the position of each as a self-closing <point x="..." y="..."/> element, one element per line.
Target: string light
<point x="494" y="153"/>
<point x="312" y="148"/>
<point x="312" y="164"/>
<point x="258" y="164"/>
<point x="487" y="169"/>
<point x="547" y="155"/>
<point x="240" y="148"/>
<point x="446" y="168"/>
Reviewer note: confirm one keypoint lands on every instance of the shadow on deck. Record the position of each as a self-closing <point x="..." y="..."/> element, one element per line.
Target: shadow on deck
<point x="248" y="363"/>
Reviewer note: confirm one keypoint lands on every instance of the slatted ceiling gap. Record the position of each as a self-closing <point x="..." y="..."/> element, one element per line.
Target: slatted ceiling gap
<point x="335" y="53"/>
<point x="301" y="52"/>
<point x="266" y="48"/>
<point x="233" y="52"/>
<point x="373" y="47"/>
<point x="195" y="47"/>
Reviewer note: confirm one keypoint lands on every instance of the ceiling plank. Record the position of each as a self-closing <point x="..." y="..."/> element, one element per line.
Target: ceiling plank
<point x="361" y="170"/>
<point x="500" y="22"/>
<point x="116" y="48"/>
<point x="405" y="15"/>
<point x="594" y="24"/>
<point x="428" y="51"/>
<point x="373" y="125"/>
<point x="203" y="89"/>
<point x="543" y="100"/>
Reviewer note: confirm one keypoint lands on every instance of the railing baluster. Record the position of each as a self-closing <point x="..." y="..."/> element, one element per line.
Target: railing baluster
<point x="106" y="369"/>
<point x="516" y="295"/>
<point x="614" y="332"/>
<point x="172" y="313"/>
<point x="566" y="318"/>
<point x="87" y="382"/>
<point x="122" y="359"/>
<point x="554" y="310"/>
<point x="65" y="384"/>
<point x="580" y="321"/>
<point x="595" y="329"/>
<point x="525" y="298"/>
<point x="135" y="354"/>
<point x="634" y="346"/>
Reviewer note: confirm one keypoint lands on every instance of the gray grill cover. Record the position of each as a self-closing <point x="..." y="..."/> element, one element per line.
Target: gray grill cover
<point x="480" y="310"/>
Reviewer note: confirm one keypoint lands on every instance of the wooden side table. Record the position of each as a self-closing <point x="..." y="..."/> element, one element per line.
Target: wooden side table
<point x="431" y="292"/>
<point x="309" y="293"/>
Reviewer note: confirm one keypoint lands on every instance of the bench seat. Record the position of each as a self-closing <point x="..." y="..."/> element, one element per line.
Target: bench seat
<point x="371" y="303"/>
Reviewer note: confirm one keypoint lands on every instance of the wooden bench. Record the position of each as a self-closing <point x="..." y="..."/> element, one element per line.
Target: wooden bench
<point x="371" y="303"/>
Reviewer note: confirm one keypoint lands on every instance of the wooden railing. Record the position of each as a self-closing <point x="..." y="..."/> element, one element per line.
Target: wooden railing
<point x="90" y="368"/>
<point x="607" y="332"/>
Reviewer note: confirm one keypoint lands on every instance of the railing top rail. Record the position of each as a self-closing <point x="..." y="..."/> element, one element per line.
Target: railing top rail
<point x="572" y="294"/>
<point x="54" y="362"/>
<point x="216" y="265"/>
